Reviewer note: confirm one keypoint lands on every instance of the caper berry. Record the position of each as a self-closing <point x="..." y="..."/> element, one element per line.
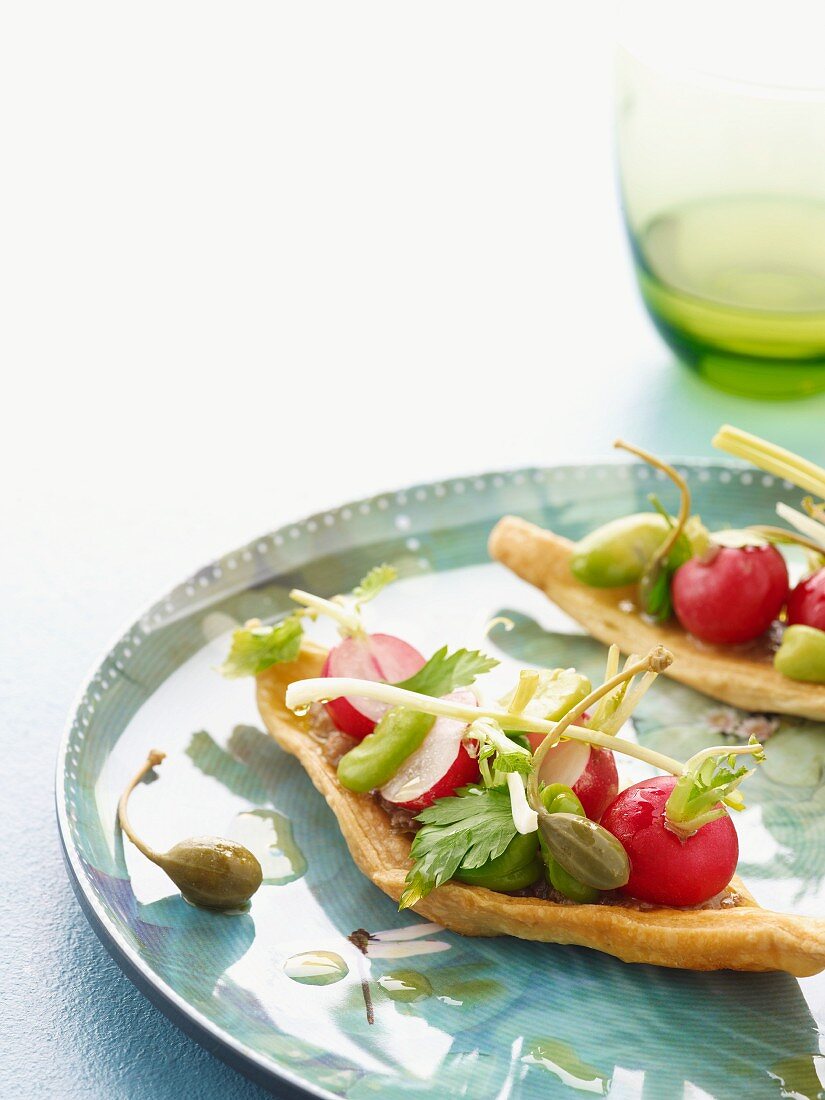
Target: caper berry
<point x="592" y="855"/>
<point x="209" y="871"/>
<point x="618" y="553"/>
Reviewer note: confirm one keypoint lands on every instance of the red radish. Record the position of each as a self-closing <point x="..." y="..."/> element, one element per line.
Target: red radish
<point x="588" y="771"/>
<point x="382" y="658"/>
<point x="665" y="869"/>
<point x="806" y="604"/>
<point x="439" y="767"/>
<point x="734" y="596"/>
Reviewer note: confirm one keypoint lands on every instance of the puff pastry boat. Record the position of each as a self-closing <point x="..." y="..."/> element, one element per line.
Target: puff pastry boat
<point x="745" y="679"/>
<point x="743" y="937"/>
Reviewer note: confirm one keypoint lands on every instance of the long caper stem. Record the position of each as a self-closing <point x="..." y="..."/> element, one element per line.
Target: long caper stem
<point x="782" y="534"/>
<point x="154" y="758"/>
<point x="627" y="748"/>
<point x="661" y="554"/>
<point x="657" y="660"/>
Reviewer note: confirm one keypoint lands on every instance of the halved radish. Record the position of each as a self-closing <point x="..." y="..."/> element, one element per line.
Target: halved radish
<point x="438" y="768"/>
<point x="379" y="657"/>
<point x="588" y="771"/>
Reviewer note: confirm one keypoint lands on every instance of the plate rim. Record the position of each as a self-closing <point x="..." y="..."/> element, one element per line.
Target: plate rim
<point x="262" y="1070"/>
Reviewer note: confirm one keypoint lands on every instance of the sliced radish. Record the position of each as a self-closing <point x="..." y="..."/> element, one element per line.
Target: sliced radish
<point x="590" y="772"/>
<point x="379" y="657"/>
<point x="439" y="767"/>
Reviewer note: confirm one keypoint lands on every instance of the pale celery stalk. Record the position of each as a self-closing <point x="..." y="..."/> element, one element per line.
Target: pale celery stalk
<point x="806" y="524"/>
<point x="348" y="620"/>
<point x="771" y="458"/>
<point x="303" y="692"/>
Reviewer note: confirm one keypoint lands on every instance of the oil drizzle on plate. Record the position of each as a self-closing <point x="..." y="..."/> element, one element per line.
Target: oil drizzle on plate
<point x="268" y="835"/>
<point x="316" y="968"/>
<point x="406" y="986"/>
<point x="563" y="1062"/>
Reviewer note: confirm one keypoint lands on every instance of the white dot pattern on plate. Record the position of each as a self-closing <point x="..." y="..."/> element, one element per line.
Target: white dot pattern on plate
<point x="107" y="676"/>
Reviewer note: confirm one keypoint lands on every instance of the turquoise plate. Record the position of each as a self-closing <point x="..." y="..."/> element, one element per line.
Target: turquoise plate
<point x="279" y="991"/>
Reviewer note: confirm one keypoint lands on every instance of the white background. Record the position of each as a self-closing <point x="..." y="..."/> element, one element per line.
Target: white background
<point x="261" y="258"/>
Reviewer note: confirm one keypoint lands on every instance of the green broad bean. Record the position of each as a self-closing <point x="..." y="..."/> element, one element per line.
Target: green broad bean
<point x="568" y="886"/>
<point x="517" y="867"/>
<point x="558" y="798"/>
<point x="802" y="654"/>
<point x="378" y="757"/>
<point x="618" y="553"/>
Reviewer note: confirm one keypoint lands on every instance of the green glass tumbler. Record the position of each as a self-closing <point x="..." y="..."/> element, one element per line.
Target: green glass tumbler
<point x="721" y="145"/>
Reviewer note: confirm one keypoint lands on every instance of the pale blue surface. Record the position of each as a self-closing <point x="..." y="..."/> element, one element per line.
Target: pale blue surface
<point x="72" y="1026"/>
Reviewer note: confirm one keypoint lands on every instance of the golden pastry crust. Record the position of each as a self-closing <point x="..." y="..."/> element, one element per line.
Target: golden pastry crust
<point x="743" y="679"/>
<point x="742" y="938"/>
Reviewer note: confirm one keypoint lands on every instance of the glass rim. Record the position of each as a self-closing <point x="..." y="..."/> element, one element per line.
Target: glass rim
<point x="732" y="48"/>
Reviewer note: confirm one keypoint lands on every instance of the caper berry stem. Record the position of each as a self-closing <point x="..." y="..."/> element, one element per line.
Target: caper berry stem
<point x="154" y="758"/>
<point x="783" y="535"/>
<point x="662" y="553"/>
<point x="209" y="871"/>
<point x="657" y="660"/>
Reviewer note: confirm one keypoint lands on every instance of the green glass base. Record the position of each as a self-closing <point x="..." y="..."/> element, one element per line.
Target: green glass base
<point x="762" y="376"/>
<point x="750" y="376"/>
<point x="736" y="285"/>
<point x="759" y="377"/>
